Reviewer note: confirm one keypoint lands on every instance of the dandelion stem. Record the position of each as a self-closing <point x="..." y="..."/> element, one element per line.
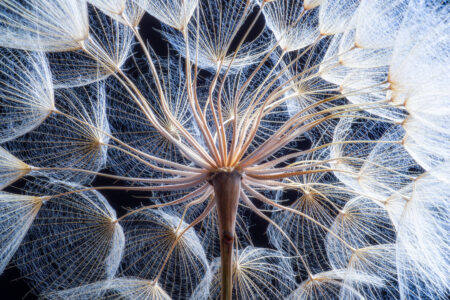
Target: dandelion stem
<point x="227" y="185"/>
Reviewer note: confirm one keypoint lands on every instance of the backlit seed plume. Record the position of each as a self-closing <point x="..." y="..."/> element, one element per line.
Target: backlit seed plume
<point x="378" y="261"/>
<point x="117" y="288"/>
<point x="293" y="24"/>
<point x="258" y="273"/>
<point x="79" y="240"/>
<point x="316" y="204"/>
<point x="43" y="25"/>
<point x="333" y="285"/>
<point x="209" y="46"/>
<point x="79" y="131"/>
<point x="349" y="230"/>
<point x="17" y="213"/>
<point x="26" y="89"/>
<point x="175" y="13"/>
<point x="335" y="15"/>
<point x="161" y="248"/>
<point x="114" y="7"/>
<point x="425" y="54"/>
<point x="225" y="149"/>
<point x="11" y="168"/>
<point x="127" y="12"/>
<point x="378" y="22"/>
<point x="129" y="123"/>
<point x="103" y="53"/>
<point x="424" y="215"/>
<point x="363" y="165"/>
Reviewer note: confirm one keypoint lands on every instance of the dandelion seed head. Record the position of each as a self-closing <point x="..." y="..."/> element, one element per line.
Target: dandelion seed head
<point x="280" y="149"/>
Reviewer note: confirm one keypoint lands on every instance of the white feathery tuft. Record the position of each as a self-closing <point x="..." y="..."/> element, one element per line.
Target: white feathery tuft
<point x="26" y="89"/>
<point x="422" y="240"/>
<point x="73" y="137"/>
<point x="150" y="236"/>
<point x="360" y="224"/>
<point x="123" y="288"/>
<point x="378" y="22"/>
<point x="43" y="25"/>
<point x="427" y="144"/>
<point x="378" y="261"/>
<point x="128" y="12"/>
<point x="259" y="273"/>
<point x="214" y="30"/>
<point x="11" y="168"/>
<point x="175" y="13"/>
<point x="335" y="15"/>
<point x="74" y="239"/>
<point x="17" y="212"/>
<point x="110" y="7"/>
<point x="330" y="284"/>
<point x="310" y="4"/>
<point x="353" y="55"/>
<point x="293" y="25"/>
<point x="421" y="48"/>
<point x="103" y="53"/>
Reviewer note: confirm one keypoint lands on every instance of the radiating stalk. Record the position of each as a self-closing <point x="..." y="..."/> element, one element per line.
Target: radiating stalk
<point x="227" y="186"/>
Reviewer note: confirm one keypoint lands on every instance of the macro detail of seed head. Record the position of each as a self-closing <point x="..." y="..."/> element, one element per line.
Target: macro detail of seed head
<point x="211" y="149"/>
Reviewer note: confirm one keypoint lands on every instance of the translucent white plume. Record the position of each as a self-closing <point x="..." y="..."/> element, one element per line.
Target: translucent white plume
<point x="150" y="236"/>
<point x="422" y="240"/>
<point x="427" y="144"/>
<point x="335" y="15"/>
<point x="130" y="124"/>
<point x="319" y="197"/>
<point x="74" y="239"/>
<point x="175" y="13"/>
<point x="73" y="137"/>
<point x="211" y="34"/>
<point x="360" y="224"/>
<point x="43" y="25"/>
<point x="11" y="168"/>
<point x="293" y="25"/>
<point x="378" y="22"/>
<point x="361" y="162"/>
<point x="103" y="53"/>
<point x="124" y="288"/>
<point x="421" y="48"/>
<point x="17" y="212"/>
<point x="125" y="11"/>
<point x="328" y="285"/>
<point x="26" y="89"/>
<point x="378" y="261"/>
<point x="259" y="273"/>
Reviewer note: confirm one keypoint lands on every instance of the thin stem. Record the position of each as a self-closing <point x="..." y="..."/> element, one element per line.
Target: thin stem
<point x="227" y="186"/>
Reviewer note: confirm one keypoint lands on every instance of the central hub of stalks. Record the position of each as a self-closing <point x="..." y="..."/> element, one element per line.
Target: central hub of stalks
<point x="227" y="186"/>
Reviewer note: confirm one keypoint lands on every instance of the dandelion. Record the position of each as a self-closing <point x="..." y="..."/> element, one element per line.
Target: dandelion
<point x="325" y="121"/>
